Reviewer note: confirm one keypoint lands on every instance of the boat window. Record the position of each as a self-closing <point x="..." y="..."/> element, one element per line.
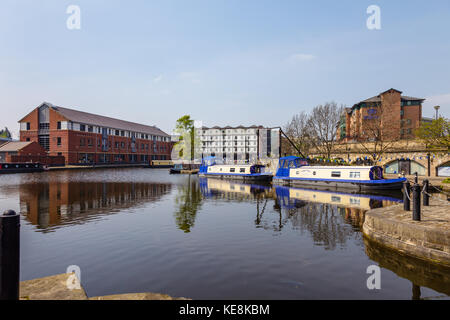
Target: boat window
<point x="314" y="173"/>
<point x="335" y="173"/>
<point x="355" y="175"/>
<point x="335" y="199"/>
<point x="242" y="170"/>
<point x="232" y="169"/>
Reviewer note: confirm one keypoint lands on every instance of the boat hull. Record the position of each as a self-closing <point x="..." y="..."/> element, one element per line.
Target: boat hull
<point x="6" y="168"/>
<point x="240" y="177"/>
<point x="386" y="184"/>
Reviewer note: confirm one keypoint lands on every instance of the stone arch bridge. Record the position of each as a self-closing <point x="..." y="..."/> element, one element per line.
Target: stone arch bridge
<point x="427" y="163"/>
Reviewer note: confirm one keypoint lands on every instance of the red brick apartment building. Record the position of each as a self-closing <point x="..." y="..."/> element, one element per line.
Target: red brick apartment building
<point x="86" y="138"/>
<point x="396" y="115"/>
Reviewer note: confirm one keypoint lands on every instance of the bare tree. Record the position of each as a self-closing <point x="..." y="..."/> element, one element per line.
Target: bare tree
<point x="297" y="132"/>
<point x="378" y="132"/>
<point x="323" y="125"/>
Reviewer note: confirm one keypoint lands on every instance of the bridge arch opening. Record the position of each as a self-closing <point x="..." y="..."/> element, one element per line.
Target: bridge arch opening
<point x="443" y="170"/>
<point x="405" y="166"/>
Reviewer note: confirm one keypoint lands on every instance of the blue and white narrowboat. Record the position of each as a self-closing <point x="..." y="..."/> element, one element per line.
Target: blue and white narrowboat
<point x="295" y="171"/>
<point x="244" y="172"/>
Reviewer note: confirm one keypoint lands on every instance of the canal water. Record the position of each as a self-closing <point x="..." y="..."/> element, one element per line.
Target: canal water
<point x="143" y="230"/>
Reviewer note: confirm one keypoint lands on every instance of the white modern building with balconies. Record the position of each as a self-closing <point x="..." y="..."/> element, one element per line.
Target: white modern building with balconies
<point x="238" y="144"/>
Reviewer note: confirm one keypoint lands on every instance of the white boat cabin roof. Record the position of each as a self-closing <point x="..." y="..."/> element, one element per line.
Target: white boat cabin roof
<point x="336" y="167"/>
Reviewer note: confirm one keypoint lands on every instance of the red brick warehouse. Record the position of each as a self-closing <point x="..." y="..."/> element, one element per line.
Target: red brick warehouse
<point x="86" y="138"/>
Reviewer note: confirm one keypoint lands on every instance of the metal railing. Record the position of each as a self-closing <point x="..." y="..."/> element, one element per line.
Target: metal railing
<point x="417" y="191"/>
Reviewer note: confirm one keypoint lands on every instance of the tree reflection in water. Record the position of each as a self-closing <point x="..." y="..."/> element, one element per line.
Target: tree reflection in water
<point x="188" y="202"/>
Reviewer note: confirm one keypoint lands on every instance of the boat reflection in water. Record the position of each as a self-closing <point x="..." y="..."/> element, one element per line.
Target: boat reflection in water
<point x="354" y="205"/>
<point x="231" y="190"/>
<point x="303" y="208"/>
<point x="49" y="205"/>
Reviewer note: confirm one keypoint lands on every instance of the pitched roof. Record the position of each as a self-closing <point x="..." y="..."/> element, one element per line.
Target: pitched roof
<point x="378" y="98"/>
<point x="412" y="98"/>
<point x="14" y="146"/>
<point x="98" y="120"/>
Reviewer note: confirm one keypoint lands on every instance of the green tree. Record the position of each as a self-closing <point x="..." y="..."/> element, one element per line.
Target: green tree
<point x="185" y="128"/>
<point x="5" y="133"/>
<point x="435" y="134"/>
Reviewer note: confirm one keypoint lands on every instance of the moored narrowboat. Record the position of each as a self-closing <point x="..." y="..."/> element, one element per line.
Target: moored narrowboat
<point x="184" y="168"/>
<point x="20" y="167"/>
<point x="244" y="172"/>
<point x="295" y="171"/>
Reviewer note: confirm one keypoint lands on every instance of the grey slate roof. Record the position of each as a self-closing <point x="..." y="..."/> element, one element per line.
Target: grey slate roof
<point x="378" y="98"/>
<point x="102" y="121"/>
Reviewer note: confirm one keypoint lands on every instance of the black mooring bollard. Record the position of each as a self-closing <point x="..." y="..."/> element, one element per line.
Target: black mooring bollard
<point x="9" y="255"/>
<point x="406" y="193"/>
<point x="426" y="197"/>
<point x="416" y="202"/>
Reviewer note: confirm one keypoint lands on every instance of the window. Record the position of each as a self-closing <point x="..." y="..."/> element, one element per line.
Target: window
<point x="122" y="133"/>
<point x="90" y="142"/>
<point x="28" y="139"/>
<point x="122" y="145"/>
<point x="335" y="199"/>
<point x="355" y="175"/>
<point x="242" y="170"/>
<point x="58" y="141"/>
<point x="232" y="169"/>
<point x="82" y="127"/>
<point x="335" y="173"/>
<point x="28" y="126"/>
<point x="90" y="129"/>
<point x="117" y="133"/>
<point x="314" y="173"/>
<point x="81" y="142"/>
<point x="58" y="125"/>
<point x="44" y="126"/>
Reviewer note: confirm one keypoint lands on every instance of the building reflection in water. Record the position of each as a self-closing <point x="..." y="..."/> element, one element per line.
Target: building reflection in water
<point x="48" y="205"/>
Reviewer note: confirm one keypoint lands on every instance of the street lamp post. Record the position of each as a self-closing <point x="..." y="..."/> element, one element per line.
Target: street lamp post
<point x="437" y="111"/>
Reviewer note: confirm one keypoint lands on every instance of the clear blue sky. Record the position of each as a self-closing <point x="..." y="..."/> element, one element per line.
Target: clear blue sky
<point x="224" y="62"/>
